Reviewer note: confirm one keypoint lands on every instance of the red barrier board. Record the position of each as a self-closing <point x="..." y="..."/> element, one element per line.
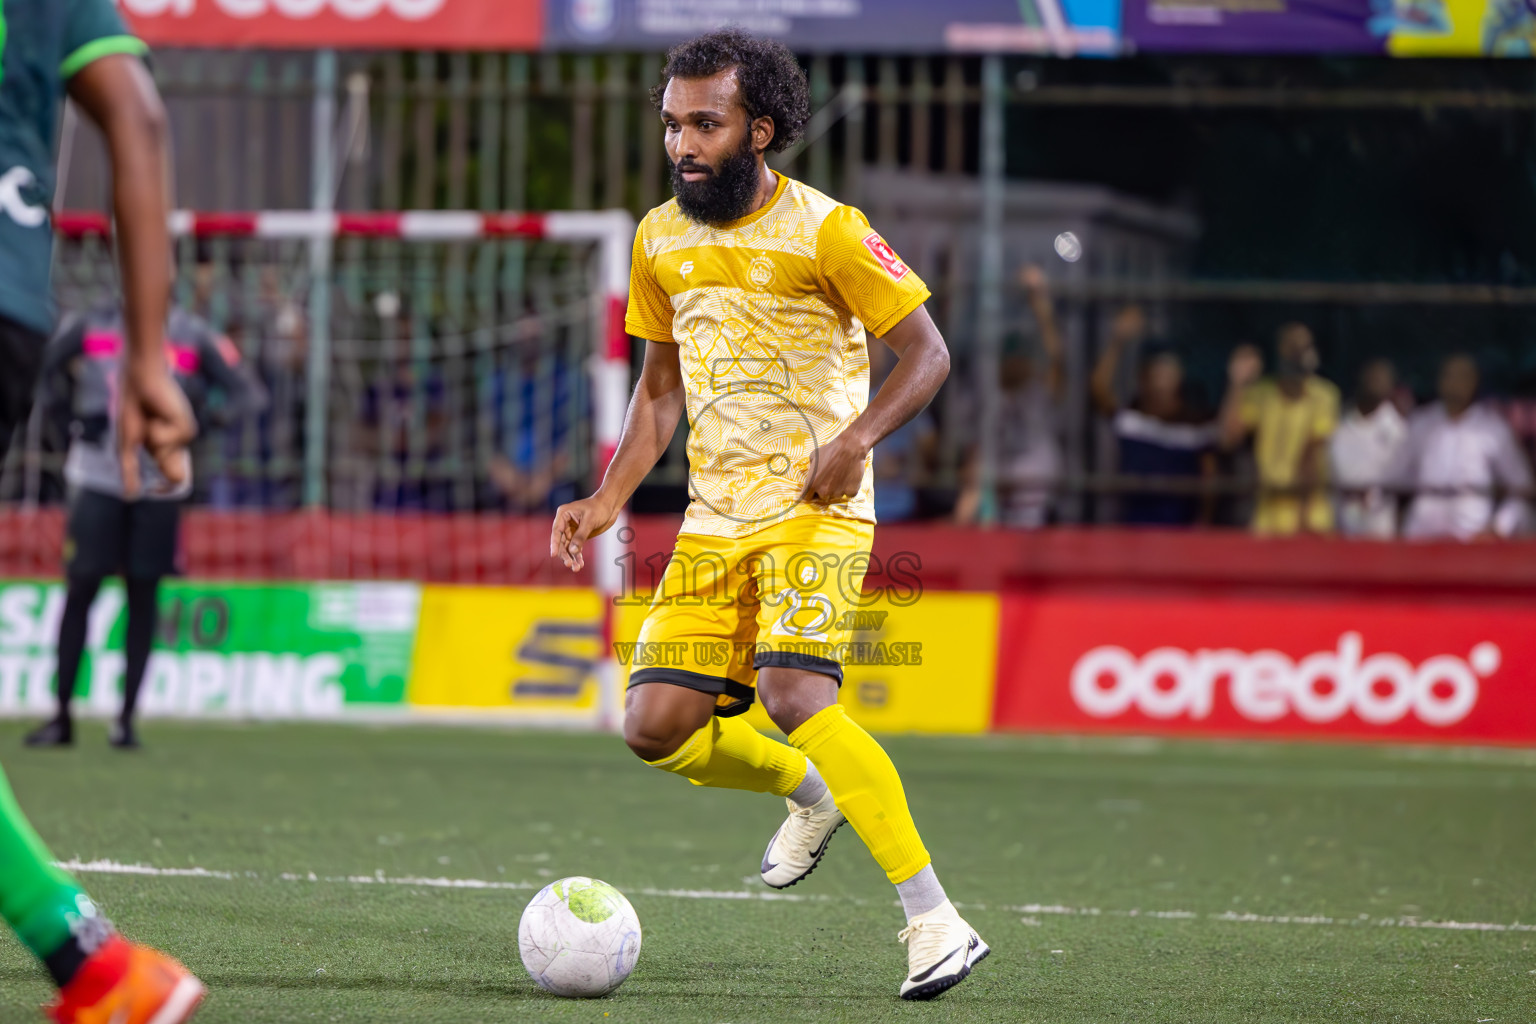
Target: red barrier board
<point x="1187" y="665"/>
<point x="340" y="24"/>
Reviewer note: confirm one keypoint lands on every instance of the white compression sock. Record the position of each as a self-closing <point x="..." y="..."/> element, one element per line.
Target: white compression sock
<point x="921" y="893"/>
<point x="811" y="788"/>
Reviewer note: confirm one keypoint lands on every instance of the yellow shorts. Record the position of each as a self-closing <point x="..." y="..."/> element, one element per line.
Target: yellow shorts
<point x="728" y="607"/>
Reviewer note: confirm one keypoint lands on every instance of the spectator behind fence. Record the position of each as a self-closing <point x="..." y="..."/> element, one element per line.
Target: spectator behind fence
<point x="1461" y="451"/>
<point x="405" y="420"/>
<point x="537" y="405"/>
<point x="1161" y="434"/>
<point x="1290" y="417"/>
<point x="1520" y="410"/>
<point x="904" y="459"/>
<point x="1028" y="450"/>
<point x="1362" y="453"/>
<point x="261" y="464"/>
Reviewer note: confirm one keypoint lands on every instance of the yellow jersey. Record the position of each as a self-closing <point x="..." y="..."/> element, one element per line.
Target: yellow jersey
<point x="770" y="313"/>
<point x="1283" y="428"/>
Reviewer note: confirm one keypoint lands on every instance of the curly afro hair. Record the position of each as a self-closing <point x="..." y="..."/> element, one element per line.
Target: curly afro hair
<point x="771" y="80"/>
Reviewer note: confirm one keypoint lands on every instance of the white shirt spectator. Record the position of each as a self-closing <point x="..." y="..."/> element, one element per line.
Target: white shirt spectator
<point x="1471" y="454"/>
<point x="1029" y="457"/>
<point x="1361" y="453"/>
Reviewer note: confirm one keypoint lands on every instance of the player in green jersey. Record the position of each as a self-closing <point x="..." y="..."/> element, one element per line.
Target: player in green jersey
<point x="48" y="48"/>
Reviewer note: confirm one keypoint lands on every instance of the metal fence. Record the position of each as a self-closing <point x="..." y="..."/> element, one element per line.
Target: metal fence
<point x="458" y="381"/>
<point x="457" y="371"/>
<point x="493" y="131"/>
<point x="925" y="145"/>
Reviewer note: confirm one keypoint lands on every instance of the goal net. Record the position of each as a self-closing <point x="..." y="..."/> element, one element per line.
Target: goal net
<point x="437" y="383"/>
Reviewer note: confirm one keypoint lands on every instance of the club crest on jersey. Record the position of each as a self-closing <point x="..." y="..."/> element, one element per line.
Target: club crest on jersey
<point x="761" y="272"/>
<point x="887" y="256"/>
<point x="12" y="184"/>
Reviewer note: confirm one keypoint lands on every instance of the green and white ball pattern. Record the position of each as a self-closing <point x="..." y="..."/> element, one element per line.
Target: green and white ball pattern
<point x="579" y="937"/>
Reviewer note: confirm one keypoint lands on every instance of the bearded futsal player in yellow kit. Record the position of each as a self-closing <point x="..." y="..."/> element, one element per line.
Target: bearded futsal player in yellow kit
<point x="754" y="293"/>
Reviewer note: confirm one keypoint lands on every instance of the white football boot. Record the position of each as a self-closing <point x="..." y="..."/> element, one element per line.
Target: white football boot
<point x="797" y="847"/>
<point x="941" y="950"/>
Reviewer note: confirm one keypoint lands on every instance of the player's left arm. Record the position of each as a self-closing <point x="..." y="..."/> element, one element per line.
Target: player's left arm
<point x="921" y="368"/>
<point x="220" y="362"/>
<point x="865" y="276"/>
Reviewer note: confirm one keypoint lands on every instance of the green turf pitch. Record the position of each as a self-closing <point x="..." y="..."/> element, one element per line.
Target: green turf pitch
<point x="1115" y="881"/>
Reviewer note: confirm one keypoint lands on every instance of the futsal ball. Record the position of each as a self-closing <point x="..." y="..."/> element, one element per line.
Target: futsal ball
<point x="579" y="937"/>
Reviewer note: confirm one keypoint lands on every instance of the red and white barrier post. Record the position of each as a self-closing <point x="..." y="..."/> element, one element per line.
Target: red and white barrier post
<point x="612" y="230"/>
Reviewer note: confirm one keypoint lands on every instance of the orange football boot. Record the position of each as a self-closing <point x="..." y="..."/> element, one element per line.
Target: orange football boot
<point x="122" y="983"/>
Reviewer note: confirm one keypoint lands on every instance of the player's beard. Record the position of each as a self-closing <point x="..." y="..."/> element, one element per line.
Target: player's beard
<point x="725" y="195"/>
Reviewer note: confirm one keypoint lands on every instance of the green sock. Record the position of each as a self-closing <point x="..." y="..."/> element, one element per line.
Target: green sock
<point x="41" y="903"/>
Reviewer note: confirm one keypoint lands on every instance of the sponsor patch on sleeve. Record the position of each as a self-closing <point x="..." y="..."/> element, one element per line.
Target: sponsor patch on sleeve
<point x="886" y="255"/>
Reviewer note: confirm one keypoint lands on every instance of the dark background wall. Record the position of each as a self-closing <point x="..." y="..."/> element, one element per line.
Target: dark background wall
<point x="1364" y="170"/>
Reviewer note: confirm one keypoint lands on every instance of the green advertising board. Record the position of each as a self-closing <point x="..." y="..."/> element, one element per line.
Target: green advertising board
<point x="302" y="650"/>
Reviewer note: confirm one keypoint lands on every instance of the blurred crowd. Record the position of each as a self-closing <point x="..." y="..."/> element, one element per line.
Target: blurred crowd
<point x="421" y="422"/>
<point x="410" y="430"/>
<point x="1284" y="452"/>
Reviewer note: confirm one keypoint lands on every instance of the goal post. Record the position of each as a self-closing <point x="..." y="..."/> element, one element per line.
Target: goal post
<point x="411" y="247"/>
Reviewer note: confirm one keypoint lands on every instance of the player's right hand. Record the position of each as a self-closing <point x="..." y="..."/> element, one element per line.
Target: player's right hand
<point x="155" y="414"/>
<point x="576" y="523"/>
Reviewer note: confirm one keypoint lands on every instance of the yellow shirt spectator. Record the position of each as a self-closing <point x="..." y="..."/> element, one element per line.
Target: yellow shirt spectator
<point x="1284" y="428"/>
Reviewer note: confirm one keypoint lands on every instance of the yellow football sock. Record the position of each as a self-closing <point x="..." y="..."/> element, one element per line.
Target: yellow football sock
<point x="730" y="754"/>
<point x="867" y="789"/>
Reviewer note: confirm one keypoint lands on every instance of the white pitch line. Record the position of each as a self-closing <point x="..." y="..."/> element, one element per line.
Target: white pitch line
<point x="732" y="894"/>
<point x="415" y="882"/>
<point x="1457" y="926"/>
<point x="112" y="867"/>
